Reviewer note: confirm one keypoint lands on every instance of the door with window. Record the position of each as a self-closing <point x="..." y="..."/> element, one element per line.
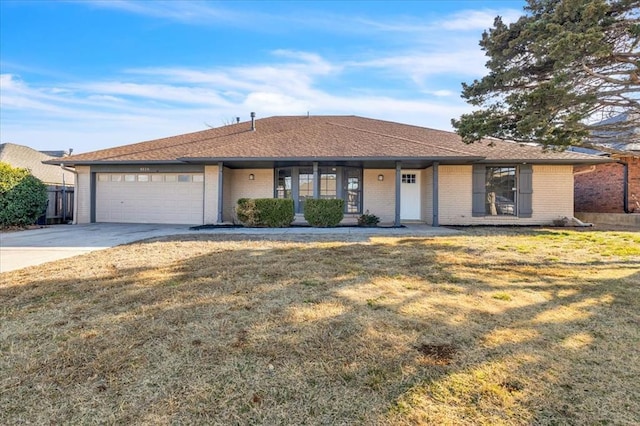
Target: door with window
<point x="410" y="195"/>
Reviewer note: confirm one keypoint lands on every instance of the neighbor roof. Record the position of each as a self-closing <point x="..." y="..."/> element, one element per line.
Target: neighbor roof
<point x="28" y="158"/>
<point x="317" y="138"/>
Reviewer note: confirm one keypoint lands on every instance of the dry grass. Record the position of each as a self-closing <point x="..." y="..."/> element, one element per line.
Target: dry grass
<point x="496" y="326"/>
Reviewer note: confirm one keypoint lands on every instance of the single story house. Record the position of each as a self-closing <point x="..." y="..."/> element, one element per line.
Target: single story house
<point x="396" y="171"/>
<point x="60" y="183"/>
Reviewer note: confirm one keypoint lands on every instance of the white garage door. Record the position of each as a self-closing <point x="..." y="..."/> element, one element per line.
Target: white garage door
<point x="150" y="198"/>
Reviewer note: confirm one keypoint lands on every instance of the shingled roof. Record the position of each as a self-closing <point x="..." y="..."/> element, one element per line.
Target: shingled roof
<point x="318" y="138"/>
<point x="28" y="158"/>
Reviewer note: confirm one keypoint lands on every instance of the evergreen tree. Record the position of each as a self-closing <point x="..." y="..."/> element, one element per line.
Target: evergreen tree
<point x="559" y="76"/>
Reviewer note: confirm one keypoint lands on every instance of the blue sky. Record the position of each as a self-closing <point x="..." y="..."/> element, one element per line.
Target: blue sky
<point x="94" y="74"/>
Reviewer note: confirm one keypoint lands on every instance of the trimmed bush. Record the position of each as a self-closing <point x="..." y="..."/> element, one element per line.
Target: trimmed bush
<point x="269" y="212"/>
<point x="23" y="197"/>
<point x="323" y="213"/>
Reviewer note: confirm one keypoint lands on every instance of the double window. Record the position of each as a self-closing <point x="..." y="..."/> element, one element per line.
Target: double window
<point x="502" y="190"/>
<point x="300" y="184"/>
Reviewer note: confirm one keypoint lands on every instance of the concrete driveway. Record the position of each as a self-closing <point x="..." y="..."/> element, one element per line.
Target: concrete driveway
<point x="36" y="246"/>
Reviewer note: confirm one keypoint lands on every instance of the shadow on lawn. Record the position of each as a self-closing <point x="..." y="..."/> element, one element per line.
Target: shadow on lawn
<point x="350" y="333"/>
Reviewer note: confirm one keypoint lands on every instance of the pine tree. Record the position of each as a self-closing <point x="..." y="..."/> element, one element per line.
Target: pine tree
<point x="559" y="75"/>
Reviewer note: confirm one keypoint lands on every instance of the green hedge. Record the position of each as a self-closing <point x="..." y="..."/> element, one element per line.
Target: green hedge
<point x="269" y="212"/>
<point x="23" y="197"/>
<point x="323" y="213"/>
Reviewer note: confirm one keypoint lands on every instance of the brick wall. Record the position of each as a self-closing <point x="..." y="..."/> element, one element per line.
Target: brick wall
<point x="379" y="196"/>
<point x="601" y="191"/>
<point x="239" y="186"/>
<point x="83" y="195"/>
<point x="427" y="195"/>
<point x="210" y="194"/>
<point x="552" y="197"/>
<point x="634" y="183"/>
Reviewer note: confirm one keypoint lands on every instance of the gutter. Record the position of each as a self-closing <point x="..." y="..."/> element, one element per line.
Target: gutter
<point x="584" y="172"/>
<point x="468" y="159"/>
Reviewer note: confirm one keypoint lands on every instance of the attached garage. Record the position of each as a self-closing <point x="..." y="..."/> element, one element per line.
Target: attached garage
<point x="175" y="198"/>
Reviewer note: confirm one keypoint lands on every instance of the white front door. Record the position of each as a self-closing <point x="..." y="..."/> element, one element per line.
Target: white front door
<point x="410" y="195"/>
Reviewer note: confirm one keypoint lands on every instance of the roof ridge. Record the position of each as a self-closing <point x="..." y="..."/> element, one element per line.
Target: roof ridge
<point x="402" y="138"/>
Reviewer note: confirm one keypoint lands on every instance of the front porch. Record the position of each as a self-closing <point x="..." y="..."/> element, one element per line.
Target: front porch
<point x="394" y="191"/>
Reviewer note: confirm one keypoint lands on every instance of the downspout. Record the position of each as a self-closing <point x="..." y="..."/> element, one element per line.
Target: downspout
<point x="75" y="195"/>
<point x="625" y="186"/>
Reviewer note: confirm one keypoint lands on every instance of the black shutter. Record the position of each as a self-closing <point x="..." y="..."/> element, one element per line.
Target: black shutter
<point x="525" y="191"/>
<point x="479" y="185"/>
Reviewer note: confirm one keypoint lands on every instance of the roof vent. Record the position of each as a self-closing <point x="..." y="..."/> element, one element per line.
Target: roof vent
<point x="253" y="121"/>
<point x="237" y="119"/>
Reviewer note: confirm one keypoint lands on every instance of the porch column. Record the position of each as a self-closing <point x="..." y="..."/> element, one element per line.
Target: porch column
<point x="92" y="199"/>
<point x="435" y="194"/>
<point x="316" y="181"/>
<point x="220" y="195"/>
<point x="396" y="222"/>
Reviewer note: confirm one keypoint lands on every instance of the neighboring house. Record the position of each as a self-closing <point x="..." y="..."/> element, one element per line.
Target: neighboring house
<point x="59" y="182"/>
<point x="395" y="171"/>
<point x="612" y="187"/>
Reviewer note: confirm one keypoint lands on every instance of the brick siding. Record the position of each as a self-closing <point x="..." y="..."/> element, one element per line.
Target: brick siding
<point x="601" y="191"/>
<point x="379" y="197"/>
<point x="552" y="197"/>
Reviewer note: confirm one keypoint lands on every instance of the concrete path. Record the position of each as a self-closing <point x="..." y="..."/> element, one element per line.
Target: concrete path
<point x="36" y="246"/>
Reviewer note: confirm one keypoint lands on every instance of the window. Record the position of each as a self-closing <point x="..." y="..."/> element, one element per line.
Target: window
<point x="198" y="178"/>
<point x="143" y="178"/>
<point x="184" y="178"/>
<point x="409" y="178"/>
<point x="503" y="190"/>
<point x="170" y="178"/>
<point x="129" y="178"/>
<point x="298" y="183"/>
<point x="283" y="188"/>
<point x="500" y="190"/>
<point x="157" y="178"/>
<point x="116" y="178"/>
<point x="305" y="187"/>
<point x="328" y="183"/>
<point x="103" y="178"/>
<point x="353" y="196"/>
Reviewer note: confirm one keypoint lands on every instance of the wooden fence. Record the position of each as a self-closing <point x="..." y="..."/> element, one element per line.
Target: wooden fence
<point x="60" y="204"/>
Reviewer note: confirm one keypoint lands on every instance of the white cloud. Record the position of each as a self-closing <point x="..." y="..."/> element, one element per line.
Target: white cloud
<point x="156" y="92"/>
<point x="440" y="93"/>
<point x="477" y="20"/>
<point x="194" y="12"/>
<point x="461" y="62"/>
<point x="145" y="103"/>
<point x="99" y="114"/>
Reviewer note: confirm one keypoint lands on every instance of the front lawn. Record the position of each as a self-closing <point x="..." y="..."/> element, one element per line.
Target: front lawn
<point x="494" y="326"/>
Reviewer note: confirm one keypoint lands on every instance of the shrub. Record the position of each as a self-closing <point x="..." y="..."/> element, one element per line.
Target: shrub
<point x="246" y="212"/>
<point x="269" y="212"/>
<point x="368" y="219"/>
<point x="323" y="213"/>
<point x="23" y="197"/>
